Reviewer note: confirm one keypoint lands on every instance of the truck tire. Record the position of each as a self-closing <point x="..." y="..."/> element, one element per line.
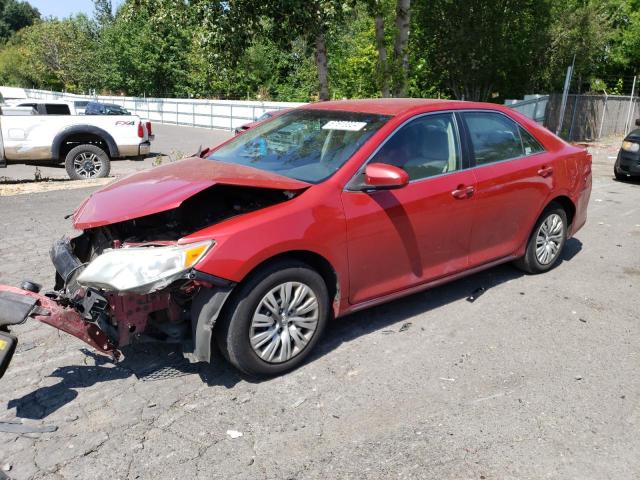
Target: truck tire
<point x="87" y="161"/>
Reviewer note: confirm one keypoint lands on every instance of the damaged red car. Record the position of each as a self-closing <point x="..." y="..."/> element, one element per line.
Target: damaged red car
<point x="328" y="209"/>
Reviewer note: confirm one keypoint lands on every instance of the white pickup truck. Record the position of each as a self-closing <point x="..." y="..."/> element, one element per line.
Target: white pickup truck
<point x="85" y="143"/>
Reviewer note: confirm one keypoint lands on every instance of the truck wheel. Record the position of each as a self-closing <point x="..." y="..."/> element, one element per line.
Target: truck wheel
<point x="87" y="161"/>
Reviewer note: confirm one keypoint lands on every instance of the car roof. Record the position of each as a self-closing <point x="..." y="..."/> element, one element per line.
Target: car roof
<point x="397" y="106"/>
<point x="92" y="103"/>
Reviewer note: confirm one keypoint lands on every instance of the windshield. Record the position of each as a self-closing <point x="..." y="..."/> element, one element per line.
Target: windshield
<point x="308" y="145"/>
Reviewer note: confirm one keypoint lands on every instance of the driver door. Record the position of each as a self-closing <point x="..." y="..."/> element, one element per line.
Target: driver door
<point x="420" y="232"/>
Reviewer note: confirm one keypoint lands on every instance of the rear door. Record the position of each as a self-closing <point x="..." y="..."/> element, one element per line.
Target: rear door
<point x="514" y="176"/>
<point x="401" y="238"/>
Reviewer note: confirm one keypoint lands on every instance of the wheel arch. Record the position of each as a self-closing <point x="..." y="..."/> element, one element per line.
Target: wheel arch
<point x="314" y="260"/>
<point x="88" y="132"/>
<point x="210" y="304"/>
<point x="567" y="204"/>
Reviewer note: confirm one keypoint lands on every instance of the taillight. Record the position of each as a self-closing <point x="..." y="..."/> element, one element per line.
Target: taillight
<point x="140" y="130"/>
<point x="148" y="128"/>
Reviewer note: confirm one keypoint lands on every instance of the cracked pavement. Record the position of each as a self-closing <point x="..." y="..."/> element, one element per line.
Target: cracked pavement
<point x="538" y="378"/>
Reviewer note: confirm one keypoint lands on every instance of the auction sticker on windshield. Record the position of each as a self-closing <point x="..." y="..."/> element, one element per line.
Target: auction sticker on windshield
<point x="344" y="125"/>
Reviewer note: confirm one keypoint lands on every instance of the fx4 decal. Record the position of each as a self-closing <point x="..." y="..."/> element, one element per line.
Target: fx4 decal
<point x="125" y="123"/>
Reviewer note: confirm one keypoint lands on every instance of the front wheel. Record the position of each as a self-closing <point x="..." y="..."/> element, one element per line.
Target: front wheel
<point x="275" y="319"/>
<point x="619" y="176"/>
<point x="546" y="241"/>
<point x="87" y="161"/>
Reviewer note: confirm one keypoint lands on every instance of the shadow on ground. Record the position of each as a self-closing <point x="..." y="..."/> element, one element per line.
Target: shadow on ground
<point x="157" y="362"/>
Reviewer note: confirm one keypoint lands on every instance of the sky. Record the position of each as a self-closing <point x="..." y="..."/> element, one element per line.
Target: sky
<point x="64" y="8"/>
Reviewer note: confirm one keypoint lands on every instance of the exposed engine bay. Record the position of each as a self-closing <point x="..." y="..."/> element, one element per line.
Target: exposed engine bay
<point x="206" y="208"/>
<point x="108" y="318"/>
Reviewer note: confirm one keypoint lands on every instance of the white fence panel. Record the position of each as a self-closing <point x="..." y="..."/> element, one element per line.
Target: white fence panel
<point x="222" y="114"/>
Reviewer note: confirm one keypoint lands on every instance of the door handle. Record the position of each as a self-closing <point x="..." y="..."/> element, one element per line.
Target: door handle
<point x="463" y="192"/>
<point x="545" y="172"/>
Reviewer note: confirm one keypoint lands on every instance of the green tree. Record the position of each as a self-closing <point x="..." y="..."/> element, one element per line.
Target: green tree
<point x="103" y="12"/>
<point x="586" y="29"/>
<point x="15" y="15"/>
<point x="144" y="51"/>
<point x="288" y="20"/>
<point x="53" y="54"/>
<point x="478" y="48"/>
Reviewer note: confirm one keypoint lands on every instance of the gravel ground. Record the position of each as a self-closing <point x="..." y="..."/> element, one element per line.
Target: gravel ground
<point x="538" y="378"/>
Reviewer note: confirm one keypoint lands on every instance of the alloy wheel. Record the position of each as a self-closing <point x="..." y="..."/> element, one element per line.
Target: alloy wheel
<point x="284" y="322"/>
<point x="87" y="164"/>
<point x="549" y="239"/>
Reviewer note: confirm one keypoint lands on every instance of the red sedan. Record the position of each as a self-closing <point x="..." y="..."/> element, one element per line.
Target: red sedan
<point x="325" y="210"/>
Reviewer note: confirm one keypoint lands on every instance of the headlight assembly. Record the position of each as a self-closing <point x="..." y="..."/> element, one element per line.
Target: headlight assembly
<point x="142" y="269"/>
<point x="632" y="147"/>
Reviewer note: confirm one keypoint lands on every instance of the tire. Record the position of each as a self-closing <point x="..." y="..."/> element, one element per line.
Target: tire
<point x="238" y="322"/>
<point x="87" y="161"/>
<point x="533" y="263"/>
<point x="619" y="176"/>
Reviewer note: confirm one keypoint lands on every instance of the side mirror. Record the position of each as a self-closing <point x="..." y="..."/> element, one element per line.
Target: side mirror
<point x="637" y="122"/>
<point x="384" y="176"/>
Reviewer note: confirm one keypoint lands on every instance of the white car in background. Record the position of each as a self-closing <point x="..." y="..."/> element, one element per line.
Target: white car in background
<point x="57" y="133"/>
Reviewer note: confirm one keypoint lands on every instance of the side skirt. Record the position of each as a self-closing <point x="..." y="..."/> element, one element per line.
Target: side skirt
<point x="425" y="286"/>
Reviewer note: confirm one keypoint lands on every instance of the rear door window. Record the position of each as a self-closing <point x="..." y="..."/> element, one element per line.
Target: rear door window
<point x="57" y="109"/>
<point x="494" y="137"/>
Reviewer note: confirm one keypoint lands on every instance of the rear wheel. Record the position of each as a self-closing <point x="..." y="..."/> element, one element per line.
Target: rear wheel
<point x="275" y="319"/>
<point x="87" y="161"/>
<point x="546" y="242"/>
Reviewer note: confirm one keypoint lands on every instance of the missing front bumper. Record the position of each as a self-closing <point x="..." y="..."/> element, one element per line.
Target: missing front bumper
<point x="18" y="305"/>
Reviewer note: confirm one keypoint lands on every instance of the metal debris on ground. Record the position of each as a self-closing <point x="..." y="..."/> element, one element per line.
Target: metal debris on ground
<point x="475" y="294"/>
<point x="169" y="371"/>
<point x="405" y="326"/>
<point x="16" y="426"/>
<point x="298" y="403"/>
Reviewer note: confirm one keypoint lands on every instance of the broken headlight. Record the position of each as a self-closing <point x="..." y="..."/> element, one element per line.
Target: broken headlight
<point x="141" y="269"/>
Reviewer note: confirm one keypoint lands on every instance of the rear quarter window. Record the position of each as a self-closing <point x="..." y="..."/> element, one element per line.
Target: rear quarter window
<point x="529" y="144"/>
<point x="57" y="109"/>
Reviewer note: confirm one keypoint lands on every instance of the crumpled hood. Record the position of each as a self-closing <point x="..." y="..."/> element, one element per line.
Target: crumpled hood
<point x="166" y="187"/>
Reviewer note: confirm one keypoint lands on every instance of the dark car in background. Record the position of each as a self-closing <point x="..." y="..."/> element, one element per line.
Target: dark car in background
<point x="628" y="162"/>
<point x="96" y="108"/>
<point x="262" y="118"/>
<point x="80" y="106"/>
